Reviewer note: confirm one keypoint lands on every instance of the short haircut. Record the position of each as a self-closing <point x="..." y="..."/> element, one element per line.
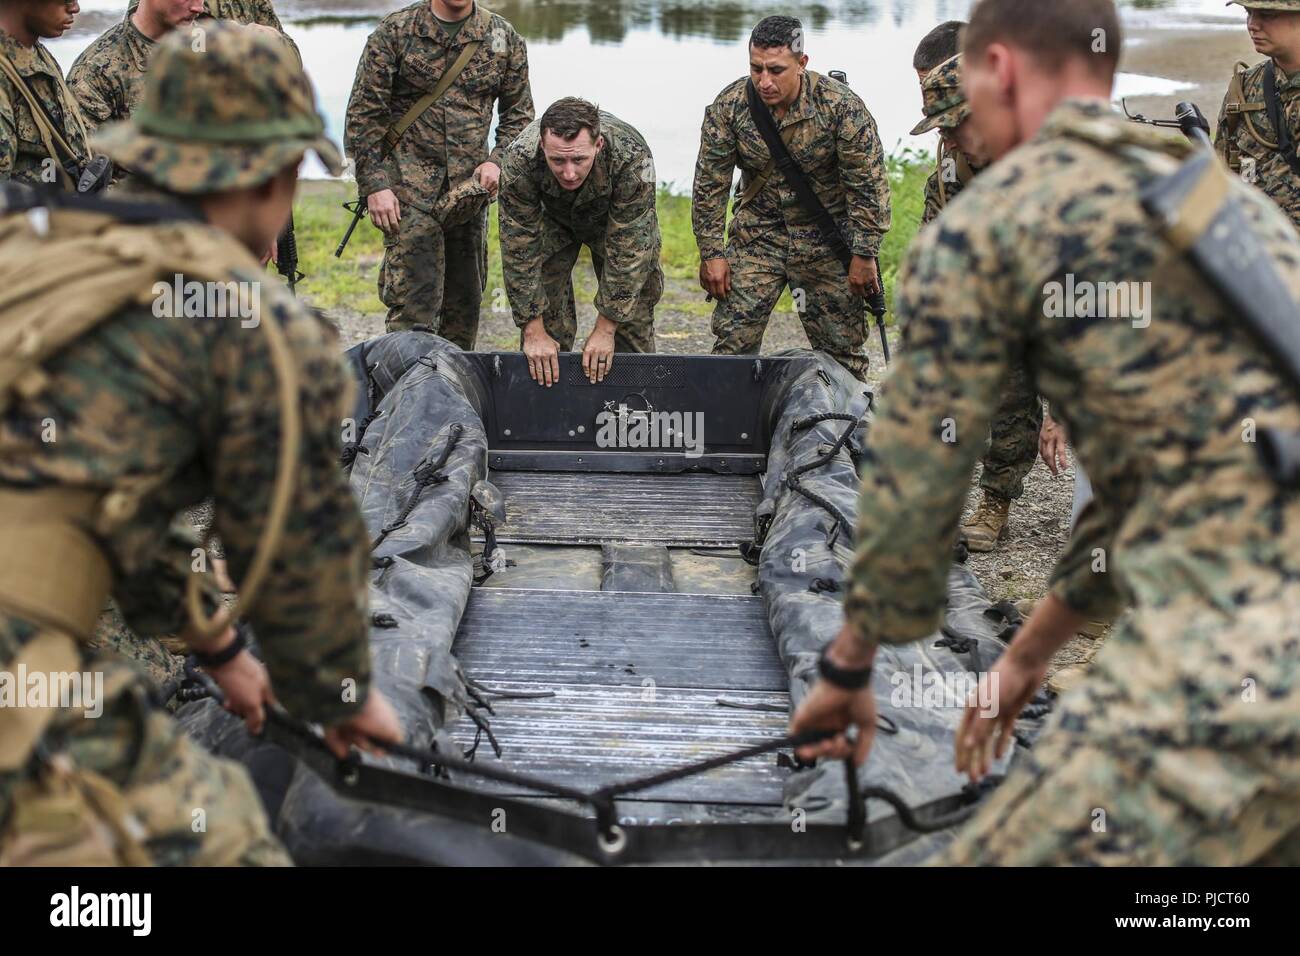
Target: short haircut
<point x="939" y="45"/>
<point x="773" y="32"/>
<point x="1051" y="30"/>
<point x="568" y="117"/>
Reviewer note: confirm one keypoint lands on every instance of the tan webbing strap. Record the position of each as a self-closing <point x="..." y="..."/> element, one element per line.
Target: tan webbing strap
<point x="49" y="135"/>
<point x="49" y="652"/>
<point x="1199" y="208"/>
<point x="1236" y="109"/>
<point x="52" y="569"/>
<point x="758" y="182"/>
<point x="394" y="132"/>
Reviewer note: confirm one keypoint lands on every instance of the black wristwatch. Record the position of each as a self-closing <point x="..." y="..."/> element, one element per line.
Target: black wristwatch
<point x="225" y="655"/>
<point x="842" y="677"/>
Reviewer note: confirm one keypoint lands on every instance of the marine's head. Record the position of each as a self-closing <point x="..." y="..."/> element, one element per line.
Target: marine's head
<point x="938" y="46"/>
<point x="30" y="20"/>
<point x="1021" y="58"/>
<point x="226" y="116"/>
<point x="571" y="140"/>
<point x="946" y="110"/>
<point x="777" y="59"/>
<point x="160" y="17"/>
<point x="1274" y="26"/>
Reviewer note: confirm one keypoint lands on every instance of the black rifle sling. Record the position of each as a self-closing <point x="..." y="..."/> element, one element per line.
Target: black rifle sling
<point x="1277" y="116"/>
<point x="766" y="124"/>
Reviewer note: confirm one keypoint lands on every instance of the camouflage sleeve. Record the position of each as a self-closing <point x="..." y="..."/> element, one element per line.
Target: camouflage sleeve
<point x="368" y="115"/>
<point x="865" y="178"/>
<point x="264" y="13"/>
<point x="714" y="170"/>
<point x="85" y="80"/>
<point x="515" y="101"/>
<point x="933" y="201"/>
<point x="930" y="427"/>
<point x="8" y="134"/>
<point x="1080" y="578"/>
<point x="311" y="615"/>
<point x="519" y="216"/>
<point x="631" y="238"/>
<point x="153" y="602"/>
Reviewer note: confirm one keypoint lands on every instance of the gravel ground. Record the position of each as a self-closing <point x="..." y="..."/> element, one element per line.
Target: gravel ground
<point x="1039" y="523"/>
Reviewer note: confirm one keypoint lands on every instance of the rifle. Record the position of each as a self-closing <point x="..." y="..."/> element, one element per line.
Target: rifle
<point x="1188" y="118"/>
<point x="358" y="210"/>
<point x="1234" y="261"/>
<point x="286" y="257"/>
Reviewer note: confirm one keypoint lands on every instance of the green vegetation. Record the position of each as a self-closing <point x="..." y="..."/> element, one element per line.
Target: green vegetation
<point x="350" y="282"/>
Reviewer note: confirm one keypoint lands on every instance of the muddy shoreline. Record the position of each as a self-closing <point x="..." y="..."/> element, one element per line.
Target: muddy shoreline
<point x="1202" y="58"/>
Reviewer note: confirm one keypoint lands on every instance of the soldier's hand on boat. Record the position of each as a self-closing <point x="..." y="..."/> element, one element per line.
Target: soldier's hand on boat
<point x="489" y="174"/>
<point x="598" y="352"/>
<point x="385" y="210"/>
<point x="247" y="688"/>
<point x="828" y="707"/>
<point x="542" y="352"/>
<point x="864" y="276"/>
<point x="375" y="721"/>
<point x="986" y="732"/>
<point x="715" y="277"/>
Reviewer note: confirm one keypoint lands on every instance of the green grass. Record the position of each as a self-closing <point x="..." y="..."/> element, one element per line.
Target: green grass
<point x="350" y="282"/>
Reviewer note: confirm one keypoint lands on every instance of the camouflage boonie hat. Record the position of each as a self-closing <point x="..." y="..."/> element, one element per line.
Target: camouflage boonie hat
<point x="462" y="203"/>
<point x="1293" y="5"/>
<point x="942" y="100"/>
<point x="231" y="114"/>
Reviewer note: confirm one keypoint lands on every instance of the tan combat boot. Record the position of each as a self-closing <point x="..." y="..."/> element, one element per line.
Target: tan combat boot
<point x="988" y="525"/>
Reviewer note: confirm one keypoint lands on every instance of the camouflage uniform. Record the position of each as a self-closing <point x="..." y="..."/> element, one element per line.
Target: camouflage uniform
<point x="22" y="151"/>
<point x="953" y="172"/>
<point x="108" y="77"/>
<point x="1238" y="139"/>
<point x="159" y="412"/>
<point x="773" y="241"/>
<point x="240" y="11"/>
<point x="1013" y="435"/>
<point x="544" y="226"/>
<point x="433" y="275"/>
<point x="1186" y="733"/>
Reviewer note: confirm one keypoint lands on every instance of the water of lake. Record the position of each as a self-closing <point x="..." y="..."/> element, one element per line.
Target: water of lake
<point x="659" y="63"/>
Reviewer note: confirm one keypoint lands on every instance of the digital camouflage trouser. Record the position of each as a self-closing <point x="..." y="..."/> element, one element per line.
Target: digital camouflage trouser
<point x="763" y="263"/>
<point x="1076" y="800"/>
<point x="134" y="767"/>
<point x="1013" y="437"/>
<point x="635" y="334"/>
<point x="434" y="276"/>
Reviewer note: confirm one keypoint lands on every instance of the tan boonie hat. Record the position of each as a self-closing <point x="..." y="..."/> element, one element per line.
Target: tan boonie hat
<point x="942" y="99"/>
<point x="222" y="109"/>
<point x="1293" y="5"/>
<point x="462" y="203"/>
